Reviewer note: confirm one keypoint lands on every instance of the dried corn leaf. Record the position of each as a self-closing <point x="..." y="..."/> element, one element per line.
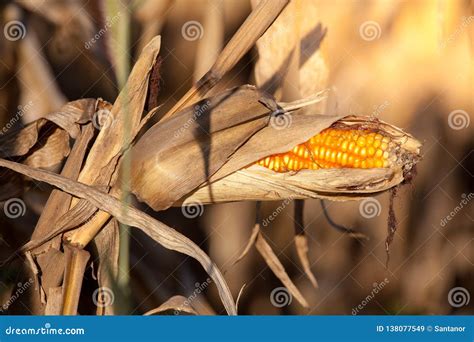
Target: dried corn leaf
<point x="175" y="305"/>
<point x="123" y="120"/>
<point x="301" y="242"/>
<point x="203" y="137"/>
<point x="242" y="41"/>
<point x="299" y="38"/>
<point x="164" y="235"/>
<point x="19" y="142"/>
<point x="276" y="266"/>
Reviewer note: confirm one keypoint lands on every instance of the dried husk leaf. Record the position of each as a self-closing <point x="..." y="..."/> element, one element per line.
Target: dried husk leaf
<point x="178" y="154"/>
<point x="19" y="142"/>
<point x="259" y="183"/>
<point x="164" y="235"/>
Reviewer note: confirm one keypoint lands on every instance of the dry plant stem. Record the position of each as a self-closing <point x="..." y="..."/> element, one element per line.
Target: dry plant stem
<point x="161" y="233"/>
<point x="75" y="267"/>
<point x="254" y="26"/>
<point x="114" y="138"/>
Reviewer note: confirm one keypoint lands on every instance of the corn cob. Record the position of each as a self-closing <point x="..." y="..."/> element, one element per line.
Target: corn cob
<point x="336" y="148"/>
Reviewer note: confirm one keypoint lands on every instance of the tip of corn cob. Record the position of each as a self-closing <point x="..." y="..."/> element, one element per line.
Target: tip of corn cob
<point x="338" y="147"/>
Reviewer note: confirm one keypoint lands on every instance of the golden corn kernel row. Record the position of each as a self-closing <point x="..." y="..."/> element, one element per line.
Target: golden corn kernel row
<point x="334" y="148"/>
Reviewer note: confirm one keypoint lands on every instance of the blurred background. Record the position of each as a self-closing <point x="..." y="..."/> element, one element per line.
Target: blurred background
<point x="409" y="63"/>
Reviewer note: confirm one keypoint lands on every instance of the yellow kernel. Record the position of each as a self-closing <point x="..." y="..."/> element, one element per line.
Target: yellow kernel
<point x="361" y="141"/>
<point x="350" y="160"/>
<point x="378" y="163"/>
<point x="333" y="156"/>
<point x="379" y="153"/>
<point x="351" y="146"/>
<point x="384" y="146"/>
<point x="344" y="159"/>
<point x="327" y="156"/>
<point x="363" y="152"/>
<point x="322" y="150"/>
<point x="344" y="146"/>
<point x="363" y="164"/>
<point x="370" y="151"/>
<point x="339" y="156"/>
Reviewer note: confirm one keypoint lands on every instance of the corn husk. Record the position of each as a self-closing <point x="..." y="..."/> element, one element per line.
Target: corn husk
<point x="258" y="183"/>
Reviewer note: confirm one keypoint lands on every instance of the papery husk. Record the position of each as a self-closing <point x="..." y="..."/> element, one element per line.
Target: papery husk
<point x="178" y="154"/>
<point x="258" y="183"/>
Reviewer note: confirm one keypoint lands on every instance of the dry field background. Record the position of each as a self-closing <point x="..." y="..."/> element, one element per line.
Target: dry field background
<point x="408" y="63"/>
